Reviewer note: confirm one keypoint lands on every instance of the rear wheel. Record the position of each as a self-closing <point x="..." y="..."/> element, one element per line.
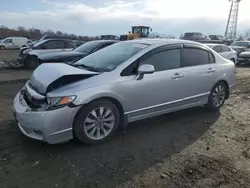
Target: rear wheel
<point x="217" y="96"/>
<point x="96" y="122"/>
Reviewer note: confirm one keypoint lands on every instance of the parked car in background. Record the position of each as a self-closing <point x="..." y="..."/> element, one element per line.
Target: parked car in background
<point x="78" y="53"/>
<point x="244" y="57"/>
<point x="240" y="46"/>
<point x="224" y="51"/>
<point x="13" y="43"/>
<point x="54" y="37"/>
<point x="109" y="37"/>
<point x="124" y="82"/>
<point x="78" y="42"/>
<point x="28" y="56"/>
<point x="216" y="37"/>
<point x="195" y="36"/>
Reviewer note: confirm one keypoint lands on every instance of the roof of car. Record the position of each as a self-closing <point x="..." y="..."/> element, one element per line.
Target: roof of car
<point x="106" y="40"/>
<point x="57" y="39"/>
<point x="163" y="41"/>
<point x="213" y="44"/>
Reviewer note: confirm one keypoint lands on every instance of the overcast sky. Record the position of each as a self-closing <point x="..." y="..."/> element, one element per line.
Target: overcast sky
<point x="96" y="17"/>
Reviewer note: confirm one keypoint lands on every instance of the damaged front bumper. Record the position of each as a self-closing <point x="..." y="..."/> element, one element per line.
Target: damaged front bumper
<point x="52" y="126"/>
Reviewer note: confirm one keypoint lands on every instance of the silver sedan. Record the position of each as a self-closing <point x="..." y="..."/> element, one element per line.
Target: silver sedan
<point x="125" y="82"/>
<point x="225" y="51"/>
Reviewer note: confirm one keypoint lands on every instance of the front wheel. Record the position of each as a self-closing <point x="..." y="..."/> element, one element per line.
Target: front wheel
<point x="96" y="122"/>
<point x="31" y="63"/>
<point x="2" y="48"/>
<point x="217" y="96"/>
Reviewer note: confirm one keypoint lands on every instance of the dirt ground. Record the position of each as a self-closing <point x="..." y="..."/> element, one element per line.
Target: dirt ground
<point x="191" y="148"/>
<point x="8" y="55"/>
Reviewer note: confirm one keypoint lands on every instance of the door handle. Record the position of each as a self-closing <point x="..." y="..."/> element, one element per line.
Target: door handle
<point x="210" y="70"/>
<point x="177" y="75"/>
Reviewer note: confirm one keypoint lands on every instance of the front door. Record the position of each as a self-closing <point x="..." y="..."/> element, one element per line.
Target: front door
<point x="158" y="91"/>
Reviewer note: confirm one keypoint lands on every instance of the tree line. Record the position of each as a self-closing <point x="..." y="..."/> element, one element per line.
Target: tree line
<point x="36" y="34"/>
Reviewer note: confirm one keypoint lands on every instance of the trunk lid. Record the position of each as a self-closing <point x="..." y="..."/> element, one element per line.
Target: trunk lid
<point x="50" y="76"/>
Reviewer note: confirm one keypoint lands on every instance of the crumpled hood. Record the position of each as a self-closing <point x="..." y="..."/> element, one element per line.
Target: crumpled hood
<point x="60" y="55"/>
<point x="50" y="76"/>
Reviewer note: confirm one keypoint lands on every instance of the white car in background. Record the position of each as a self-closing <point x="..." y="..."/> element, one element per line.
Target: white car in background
<point x="13" y="43"/>
<point x="224" y="51"/>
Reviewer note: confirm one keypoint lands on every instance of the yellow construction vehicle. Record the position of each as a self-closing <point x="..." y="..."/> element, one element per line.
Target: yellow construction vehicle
<point x="137" y="32"/>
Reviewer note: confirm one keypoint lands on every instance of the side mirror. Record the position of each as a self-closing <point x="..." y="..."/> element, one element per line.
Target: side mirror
<point x="145" y="69"/>
<point x="248" y="46"/>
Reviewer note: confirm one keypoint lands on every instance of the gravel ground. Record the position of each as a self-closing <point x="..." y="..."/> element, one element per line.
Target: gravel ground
<point x="191" y="148"/>
<point x="8" y="55"/>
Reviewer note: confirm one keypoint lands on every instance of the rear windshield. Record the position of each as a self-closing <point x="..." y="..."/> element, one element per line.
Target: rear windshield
<point x="112" y="56"/>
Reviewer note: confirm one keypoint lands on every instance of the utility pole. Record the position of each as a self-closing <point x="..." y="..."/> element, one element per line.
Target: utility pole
<point x="232" y="20"/>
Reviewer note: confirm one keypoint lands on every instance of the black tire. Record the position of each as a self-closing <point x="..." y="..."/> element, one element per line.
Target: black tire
<point x="2" y="48"/>
<point x="233" y="60"/>
<point x="79" y="122"/>
<point x="210" y="105"/>
<point x="31" y="63"/>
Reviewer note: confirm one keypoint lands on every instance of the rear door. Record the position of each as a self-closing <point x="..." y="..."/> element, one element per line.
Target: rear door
<point x="218" y="49"/>
<point x="198" y="71"/>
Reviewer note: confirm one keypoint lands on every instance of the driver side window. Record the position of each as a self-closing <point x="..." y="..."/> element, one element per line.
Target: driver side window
<point x="8" y="41"/>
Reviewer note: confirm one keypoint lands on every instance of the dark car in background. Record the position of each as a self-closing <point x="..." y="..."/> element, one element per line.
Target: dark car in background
<point x="244" y="57"/>
<point x="109" y="37"/>
<point x="28" y="56"/>
<point x="240" y="46"/>
<point x="78" y="53"/>
<point x="195" y="36"/>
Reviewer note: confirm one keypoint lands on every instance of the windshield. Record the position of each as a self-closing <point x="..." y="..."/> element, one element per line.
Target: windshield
<point x="244" y="44"/>
<point x="109" y="58"/>
<point x="88" y="46"/>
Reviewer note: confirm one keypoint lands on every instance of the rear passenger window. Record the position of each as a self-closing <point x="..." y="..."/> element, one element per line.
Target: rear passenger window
<point x="217" y="49"/>
<point x="225" y="49"/>
<point x="194" y="57"/>
<point x="54" y="45"/>
<point x="70" y="44"/>
<point x="170" y="59"/>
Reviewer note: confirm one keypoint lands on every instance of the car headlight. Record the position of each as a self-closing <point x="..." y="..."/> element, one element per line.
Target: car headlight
<point x="57" y="102"/>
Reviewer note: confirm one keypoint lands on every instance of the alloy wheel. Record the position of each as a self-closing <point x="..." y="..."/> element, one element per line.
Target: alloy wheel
<point x="99" y="123"/>
<point x="218" y="96"/>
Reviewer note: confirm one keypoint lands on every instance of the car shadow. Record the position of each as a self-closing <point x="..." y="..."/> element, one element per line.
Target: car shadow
<point x="72" y="164"/>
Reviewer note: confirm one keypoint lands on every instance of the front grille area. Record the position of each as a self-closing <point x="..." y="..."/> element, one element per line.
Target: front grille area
<point x="31" y="100"/>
